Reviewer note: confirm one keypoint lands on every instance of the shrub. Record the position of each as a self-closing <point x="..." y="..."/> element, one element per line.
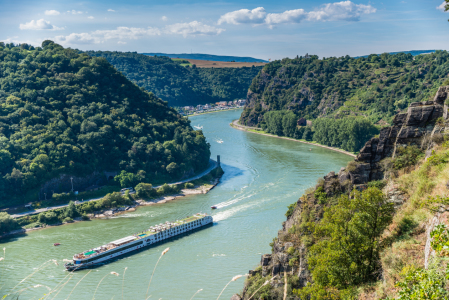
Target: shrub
<point x="85" y="218"/>
<point x="320" y="195"/>
<point x="406" y="156"/>
<point x="145" y="190"/>
<point x="71" y="211"/>
<point x="189" y="185"/>
<point x="68" y="220"/>
<point x="7" y="223"/>
<point x="290" y="210"/>
<point x="380" y="184"/>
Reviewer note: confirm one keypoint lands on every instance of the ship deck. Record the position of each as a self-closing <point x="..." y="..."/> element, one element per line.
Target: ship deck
<point x="140" y="235"/>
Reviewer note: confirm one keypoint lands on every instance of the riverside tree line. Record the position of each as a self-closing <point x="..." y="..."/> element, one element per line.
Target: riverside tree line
<point x="350" y="133"/>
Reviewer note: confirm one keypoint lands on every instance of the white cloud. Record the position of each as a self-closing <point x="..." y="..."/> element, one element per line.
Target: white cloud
<point x="121" y="42"/>
<point x="337" y="11"/>
<point x="100" y="36"/>
<point x="75" y="12"/>
<point x="340" y="11"/>
<point x="193" y="28"/>
<point x="442" y="6"/>
<point x="289" y="16"/>
<point x="164" y="18"/>
<point x="90" y="17"/>
<point x="244" y="16"/>
<point x="52" y="12"/>
<point x="111" y="10"/>
<point x="38" y="25"/>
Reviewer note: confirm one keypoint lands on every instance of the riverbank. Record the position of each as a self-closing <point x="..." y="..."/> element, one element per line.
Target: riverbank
<point x="113" y="212"/>
<point x="215" y="111"/>
<point x="256" y="130"/>
<point x="200" y="185"/>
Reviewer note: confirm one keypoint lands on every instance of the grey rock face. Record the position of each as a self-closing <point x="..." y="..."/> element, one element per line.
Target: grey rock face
<point x="408" y="129"/>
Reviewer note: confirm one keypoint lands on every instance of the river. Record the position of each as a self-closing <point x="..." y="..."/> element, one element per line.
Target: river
<point x="263" y="175"/>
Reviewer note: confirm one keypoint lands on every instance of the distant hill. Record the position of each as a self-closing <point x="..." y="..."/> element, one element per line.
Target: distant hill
<point x="178" y="85"/>
<point x="210" y="57"/>
<point x="412" y="52"/>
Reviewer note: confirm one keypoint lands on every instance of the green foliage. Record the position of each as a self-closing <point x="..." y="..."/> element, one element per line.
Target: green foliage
<point x="380" y="184"/>
<point x="167" y="189"/>
<point x="7" y="223"/>
<point x="320" y="195"/>
<point x="440" y="240"/>
<point x="376" y="86"/>
<point x="350" y="133"/>
<point x="68" y="220"/>
<point x="422" y="284"/>
<point x="178" y="85"/>
<point x="145" y="190"/>
<point x="291" y="209"/>
<point x="62" y="112"/>
<point x="189" y="185"/>
<point x="348" y="243"/>
<point x="71" y="211"/>
<point x="406" y="157"/>
<point x="438" y="158"/>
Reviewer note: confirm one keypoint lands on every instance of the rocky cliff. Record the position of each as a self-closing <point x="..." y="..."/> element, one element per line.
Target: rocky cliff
<point x="422" y="125"/>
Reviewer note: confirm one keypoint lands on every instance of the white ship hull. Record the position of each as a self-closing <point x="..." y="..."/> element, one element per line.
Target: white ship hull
<point x="147" y="241"/>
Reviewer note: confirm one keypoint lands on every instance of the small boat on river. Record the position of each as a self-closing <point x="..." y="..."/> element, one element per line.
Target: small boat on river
<point x="214" y="207"/>
<point x="56" y="244"/>
<point x="153" y="235"/>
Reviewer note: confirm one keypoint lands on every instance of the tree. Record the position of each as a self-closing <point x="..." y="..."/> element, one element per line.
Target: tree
<point x="71" y="211"/>
<point x="7" y="223"/>
<point x="308" y="134"/>
<point x="348" y="240"/>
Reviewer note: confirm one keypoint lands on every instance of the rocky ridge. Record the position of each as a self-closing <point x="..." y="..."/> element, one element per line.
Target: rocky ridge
<point x="421" y="125"/>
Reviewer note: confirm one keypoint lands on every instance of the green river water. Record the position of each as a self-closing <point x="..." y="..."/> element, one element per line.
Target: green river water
<point x="263" y="175"/>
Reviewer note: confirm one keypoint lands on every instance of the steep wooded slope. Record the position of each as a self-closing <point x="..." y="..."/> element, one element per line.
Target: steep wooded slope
<point x="62" y="112"/>
<point x="178" y="85"/>
<point x="375" y="87"/>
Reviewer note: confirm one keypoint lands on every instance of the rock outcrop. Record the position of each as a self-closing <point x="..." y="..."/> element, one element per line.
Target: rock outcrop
<point x="415" y="127"/>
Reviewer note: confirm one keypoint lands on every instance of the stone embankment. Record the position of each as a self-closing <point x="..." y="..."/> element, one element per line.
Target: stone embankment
<point x="421" y="125"/>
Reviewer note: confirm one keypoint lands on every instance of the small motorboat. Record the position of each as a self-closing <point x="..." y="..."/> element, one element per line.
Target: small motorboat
<point x="214" y="207"/>
<point x="56" y="244"/>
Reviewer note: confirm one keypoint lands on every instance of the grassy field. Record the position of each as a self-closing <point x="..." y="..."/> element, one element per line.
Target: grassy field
<point x="218" y="64"/>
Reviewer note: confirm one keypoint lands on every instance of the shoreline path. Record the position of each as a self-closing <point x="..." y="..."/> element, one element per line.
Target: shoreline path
<point x="212" y="165"/>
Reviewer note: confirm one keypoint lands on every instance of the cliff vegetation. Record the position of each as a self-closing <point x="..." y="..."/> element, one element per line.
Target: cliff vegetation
<point x="378" y="228"/>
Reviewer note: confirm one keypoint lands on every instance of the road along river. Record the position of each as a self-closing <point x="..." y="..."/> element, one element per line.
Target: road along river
<point x="263" y="175"/>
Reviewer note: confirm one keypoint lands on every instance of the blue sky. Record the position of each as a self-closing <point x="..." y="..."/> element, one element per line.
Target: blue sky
<point x="262" y="29"/>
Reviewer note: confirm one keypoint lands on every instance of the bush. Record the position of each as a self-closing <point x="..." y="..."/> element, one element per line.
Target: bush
<point x="68" y="220"/>
<point x="320" y="195"/>
<point x="406" y="156"/>
<point x="290" y="210"/>
<point x="85" y="218"/>
<point x="145" y="190"/>
<point x="7" y="223"/>
<point x="71" y="211"/>
<point x="189" y="185"/>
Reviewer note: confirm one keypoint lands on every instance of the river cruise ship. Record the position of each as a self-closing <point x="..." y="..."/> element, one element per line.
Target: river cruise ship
<point x="153" y="235"/>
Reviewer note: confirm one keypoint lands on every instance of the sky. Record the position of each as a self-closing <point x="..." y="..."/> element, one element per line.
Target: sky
<point x="262" y="29"/>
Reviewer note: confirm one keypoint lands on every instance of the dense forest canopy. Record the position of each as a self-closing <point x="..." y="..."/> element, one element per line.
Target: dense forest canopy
<point x="376" y="87"/>
<point x="62" y="111"/>
<point x="178" y="85"/>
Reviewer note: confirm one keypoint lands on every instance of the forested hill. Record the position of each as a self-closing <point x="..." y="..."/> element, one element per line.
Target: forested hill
<point x="179" y="85"/>
<point x="65" y="112"/>
<point x="370" y="89"/>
